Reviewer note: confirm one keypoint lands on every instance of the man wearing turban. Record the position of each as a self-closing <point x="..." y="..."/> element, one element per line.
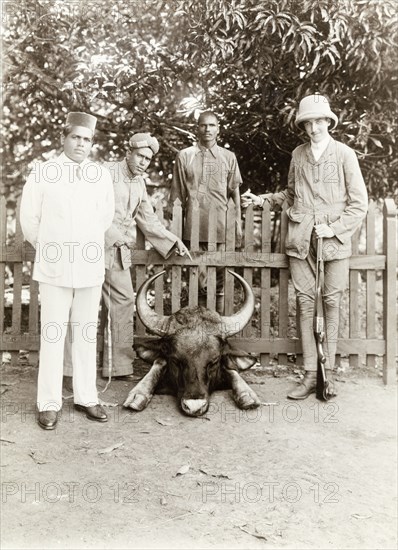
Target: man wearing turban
<point x="132" y="207"/>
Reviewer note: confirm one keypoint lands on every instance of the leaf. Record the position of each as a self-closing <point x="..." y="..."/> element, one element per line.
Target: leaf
<point x="111" y="448"/>
<point x="316" y="61"/>
<point x="376" y="142"/>
<point x="252" y="531"/>
<point x="108" y="403"/>
<point x="38" y="459"/>
<point x="214" y="475"/>
<point x="164" y="422"/>
<point x="183" y="470"/>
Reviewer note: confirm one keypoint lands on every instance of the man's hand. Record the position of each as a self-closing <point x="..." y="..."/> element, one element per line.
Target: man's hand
<point x="323" y="230"/>
<point x="182" y="250"/>
<point x="249" y="198"/>
<point x="119" y="243"/>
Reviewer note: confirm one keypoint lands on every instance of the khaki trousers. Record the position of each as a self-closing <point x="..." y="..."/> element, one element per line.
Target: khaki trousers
<point x="118" y="299"/>
<point x="336" y="279"/>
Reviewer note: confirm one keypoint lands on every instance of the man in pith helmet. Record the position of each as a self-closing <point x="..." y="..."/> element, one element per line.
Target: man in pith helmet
<point x="327" y="199"/>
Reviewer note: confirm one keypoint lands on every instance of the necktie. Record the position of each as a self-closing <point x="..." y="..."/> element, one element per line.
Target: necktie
<point x="78" y="173"/>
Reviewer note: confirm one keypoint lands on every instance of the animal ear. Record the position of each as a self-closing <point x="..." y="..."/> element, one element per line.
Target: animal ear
<point x="239" y="360"/>
<point x="146" y="352"/>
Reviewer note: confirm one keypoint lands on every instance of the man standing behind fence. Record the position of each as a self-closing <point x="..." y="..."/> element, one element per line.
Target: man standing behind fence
<point x="210" y="174"/>
<point x="327" y="199"/>
<point x="132" y="207"/>
<point x="67" y="205"/>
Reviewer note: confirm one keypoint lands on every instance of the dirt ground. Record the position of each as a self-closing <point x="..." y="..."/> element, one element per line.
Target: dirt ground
<point x="289" y="475"/>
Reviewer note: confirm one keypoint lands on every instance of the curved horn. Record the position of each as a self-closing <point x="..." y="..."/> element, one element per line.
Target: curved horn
<point x="153" y="321"/>
<point x="235" y="323"/>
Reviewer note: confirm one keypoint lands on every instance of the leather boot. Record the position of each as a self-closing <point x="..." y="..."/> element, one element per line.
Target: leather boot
<point x="48" y="420"/>
<point x="306" y="386"/>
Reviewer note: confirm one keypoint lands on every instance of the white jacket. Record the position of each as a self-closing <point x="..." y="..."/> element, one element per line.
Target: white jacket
<point x="65" y="219"/>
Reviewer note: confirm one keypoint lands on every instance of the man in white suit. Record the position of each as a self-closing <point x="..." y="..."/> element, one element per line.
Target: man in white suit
<point x="67" y="205"/>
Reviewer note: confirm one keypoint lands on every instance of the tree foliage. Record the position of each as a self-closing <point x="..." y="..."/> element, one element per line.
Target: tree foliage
<point x="152" y="64"/>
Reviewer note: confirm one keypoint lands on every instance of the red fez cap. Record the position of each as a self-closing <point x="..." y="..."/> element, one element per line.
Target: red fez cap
<point x="82" y="119"/>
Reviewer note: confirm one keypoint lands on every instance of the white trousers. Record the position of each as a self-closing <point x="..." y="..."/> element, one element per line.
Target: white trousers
<point x="59" y="307"/>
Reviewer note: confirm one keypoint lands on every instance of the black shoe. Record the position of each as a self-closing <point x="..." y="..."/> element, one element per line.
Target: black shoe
<point x="96" y="412"/>
<point x="305" y="388"/>
<point x="48" y="419"/>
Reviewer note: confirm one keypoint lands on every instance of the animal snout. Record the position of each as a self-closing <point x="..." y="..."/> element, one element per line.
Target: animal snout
<point x="194" y="407"/>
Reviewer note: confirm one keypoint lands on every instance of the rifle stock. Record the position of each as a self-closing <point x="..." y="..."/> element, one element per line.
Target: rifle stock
<point x="324" y="390"/>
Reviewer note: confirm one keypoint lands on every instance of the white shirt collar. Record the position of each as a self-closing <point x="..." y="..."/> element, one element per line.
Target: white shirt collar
<point x="66" y="160"/>
<point x="318" y="148"/>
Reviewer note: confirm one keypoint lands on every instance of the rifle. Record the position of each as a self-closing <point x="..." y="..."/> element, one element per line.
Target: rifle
<point x="324" y="389"/>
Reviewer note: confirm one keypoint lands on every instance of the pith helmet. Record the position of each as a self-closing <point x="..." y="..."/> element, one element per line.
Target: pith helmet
<point x="315" y="106"/>
<point x="82" y="119"/>
<point x="144" y="140"/>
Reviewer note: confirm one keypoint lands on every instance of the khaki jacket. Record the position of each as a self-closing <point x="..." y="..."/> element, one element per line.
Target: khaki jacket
<point x="133" y="207"/>
<point x="330" y="190"/>
<point x="210" y="176"/>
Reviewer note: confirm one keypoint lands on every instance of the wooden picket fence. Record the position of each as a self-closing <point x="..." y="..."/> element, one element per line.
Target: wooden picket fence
<point x="368" y="332"/>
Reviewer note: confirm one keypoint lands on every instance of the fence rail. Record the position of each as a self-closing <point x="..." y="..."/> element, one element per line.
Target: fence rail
<point x="368" y="328"/>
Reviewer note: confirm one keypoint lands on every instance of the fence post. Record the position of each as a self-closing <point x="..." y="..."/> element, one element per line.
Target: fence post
<point x="389" y="289"/>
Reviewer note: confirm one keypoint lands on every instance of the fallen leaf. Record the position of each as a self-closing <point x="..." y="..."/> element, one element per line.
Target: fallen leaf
<point x="183" y="470"/>
<point x="359" y="516"/>
<point x="163" y="422"/>
<point x="107" y="403"/>
<point x="163" y="501"/>
<point x="38" y="459"/>
<point x="214" y="475"/>
<point x="252" y="532"/>
<point x="111" y="448"/>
